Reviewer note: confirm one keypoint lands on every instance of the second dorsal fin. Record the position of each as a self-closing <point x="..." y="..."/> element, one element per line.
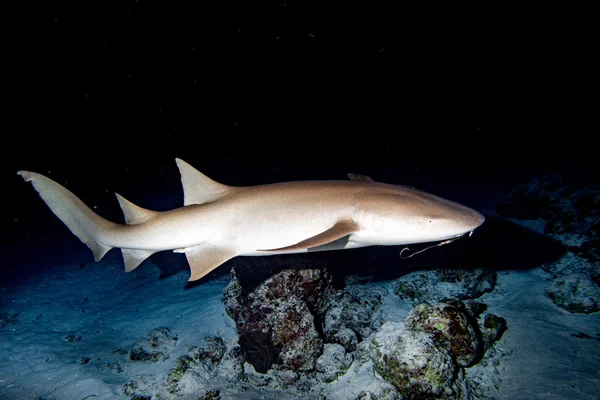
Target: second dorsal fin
<point x="360" y="177"/>
<point x="134" y="214"/>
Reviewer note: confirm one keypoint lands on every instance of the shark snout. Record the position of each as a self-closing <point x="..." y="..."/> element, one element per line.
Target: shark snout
<point x="480" y="220"/>
<point x="458" y="220"/>
<point x="471" y="221"/>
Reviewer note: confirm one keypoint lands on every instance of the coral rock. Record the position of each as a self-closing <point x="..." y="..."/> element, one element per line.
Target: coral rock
<point x="353" y="314"/>
<point x="451" y="327"/>
<point x="412" y="362"/>
<point x="275" y="321"/>
<point x="333" y="362"/>
<point x="577" y="293"/>
<point x="436" y="285"/>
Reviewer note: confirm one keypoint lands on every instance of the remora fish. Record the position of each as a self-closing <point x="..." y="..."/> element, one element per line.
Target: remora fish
<point x="219" y="222"/>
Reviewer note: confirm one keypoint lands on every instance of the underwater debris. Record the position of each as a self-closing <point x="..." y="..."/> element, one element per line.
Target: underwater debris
<point x="156" y="346"/>
<point x="115" y="368"/>
<point x="72" y="338"/>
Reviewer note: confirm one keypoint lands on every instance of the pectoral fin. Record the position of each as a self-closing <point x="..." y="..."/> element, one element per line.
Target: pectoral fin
<point x="337" y="231"/>
<point x="205" y="258"/>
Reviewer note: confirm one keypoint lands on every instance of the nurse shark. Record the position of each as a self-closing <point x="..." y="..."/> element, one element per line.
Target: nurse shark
<point x="219" y="222"/>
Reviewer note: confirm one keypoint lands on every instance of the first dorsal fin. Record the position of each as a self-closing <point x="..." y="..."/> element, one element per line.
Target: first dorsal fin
<point x="197" y="187"/>
<point x="134" y="214"/>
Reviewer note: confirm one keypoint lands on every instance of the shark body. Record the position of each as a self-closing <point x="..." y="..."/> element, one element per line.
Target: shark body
<point x="219" y="222"/>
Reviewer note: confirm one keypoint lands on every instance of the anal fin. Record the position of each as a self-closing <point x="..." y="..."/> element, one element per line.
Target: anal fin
<point x="339" y="230"/>
<point x="133" y="258"/>
<point x="205" y="258"/>
<point x="98" y="249"/>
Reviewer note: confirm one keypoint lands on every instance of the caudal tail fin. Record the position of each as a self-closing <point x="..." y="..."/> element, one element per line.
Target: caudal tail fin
<point x="79" y="218"/>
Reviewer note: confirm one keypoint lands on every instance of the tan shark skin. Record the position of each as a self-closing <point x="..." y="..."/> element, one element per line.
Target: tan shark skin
<point x="219" y="222"/>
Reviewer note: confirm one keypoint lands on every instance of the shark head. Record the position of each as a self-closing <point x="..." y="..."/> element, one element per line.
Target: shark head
<point x="449" y="220"/>
<point x="405" y="215"/>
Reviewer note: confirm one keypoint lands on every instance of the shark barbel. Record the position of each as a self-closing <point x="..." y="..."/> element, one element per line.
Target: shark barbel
<point x="219" y="222"/>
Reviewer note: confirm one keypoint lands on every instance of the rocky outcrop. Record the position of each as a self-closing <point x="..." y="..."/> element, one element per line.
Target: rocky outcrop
<point x="572" y="213"/>
<point x="422" y="355"/>
<point x="296" y="320"/>
<point x="412" y="362"/>
<point x="352" y="315"/>
<point x="192" y="374"/>
<point x="333" y="363"/>
<point x="276" y="321"/>
<point x="563" y="198"/>
<point x="576" y="293"/>
<point x="436" y="285"/>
